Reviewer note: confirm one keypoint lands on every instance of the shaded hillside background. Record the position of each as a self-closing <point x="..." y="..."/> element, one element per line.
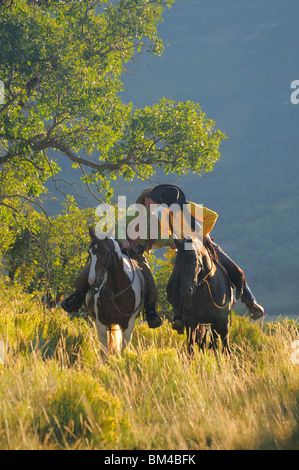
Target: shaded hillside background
<point x="237" y="59"/>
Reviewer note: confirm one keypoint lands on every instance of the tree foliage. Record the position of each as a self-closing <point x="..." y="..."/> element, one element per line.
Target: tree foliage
<point x="50" y="261"/>
<point x="62" y="63"/>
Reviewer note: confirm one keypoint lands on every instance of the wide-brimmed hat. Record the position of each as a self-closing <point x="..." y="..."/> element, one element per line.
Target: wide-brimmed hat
<point x="168" y="194"/>
<point x="145" y="193"/>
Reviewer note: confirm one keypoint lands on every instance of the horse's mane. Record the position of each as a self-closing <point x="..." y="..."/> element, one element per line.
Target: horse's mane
<point x="126" y="252"/>
<point x="134" y="263"/>
<point x="207" y="242"/>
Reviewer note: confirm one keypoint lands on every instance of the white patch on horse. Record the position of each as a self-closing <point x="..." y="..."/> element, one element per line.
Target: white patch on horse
<point x="126" y="262"/>
<point x="92" y="270"/>
<point x="117" y="248"/>
<point x="137" y="284"/>
<point x="95" y="296"/>
<point x="102" y="332"/>
<point x="101" y="328"/>
<point x="128" y="332"/>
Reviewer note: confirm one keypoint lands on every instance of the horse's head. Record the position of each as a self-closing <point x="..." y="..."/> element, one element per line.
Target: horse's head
<point x="100" y="252"/>
<point x="189" y="259"/>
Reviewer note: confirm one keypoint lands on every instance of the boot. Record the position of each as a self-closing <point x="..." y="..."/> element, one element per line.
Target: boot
<point x="256" y="311"/>
<point x="74" y="302"/>
<point x="152" y="318"/>
<point x="178" y="322"/>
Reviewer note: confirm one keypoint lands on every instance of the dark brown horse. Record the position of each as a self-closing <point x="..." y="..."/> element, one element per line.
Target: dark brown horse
<point x="200" y="288"/>
<point x="114" y="299"/>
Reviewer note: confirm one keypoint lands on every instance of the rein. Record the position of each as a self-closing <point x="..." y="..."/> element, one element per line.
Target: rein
<point x="205" y="280"/>
<point x="211" y="295"/>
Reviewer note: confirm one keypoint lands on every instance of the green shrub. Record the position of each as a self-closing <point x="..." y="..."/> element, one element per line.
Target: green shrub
<point x="80" y="408"/>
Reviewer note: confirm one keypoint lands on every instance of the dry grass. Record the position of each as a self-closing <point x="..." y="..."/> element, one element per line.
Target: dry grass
<point x="56" y="392"/>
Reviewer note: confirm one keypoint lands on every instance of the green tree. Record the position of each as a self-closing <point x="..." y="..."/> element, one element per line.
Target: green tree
<point x="62" y="63"/>
<point x="49" y="262"/>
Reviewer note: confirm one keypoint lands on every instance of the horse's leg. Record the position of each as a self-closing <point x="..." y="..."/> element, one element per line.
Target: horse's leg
<point x="224" y="333"/>
<point x="173" y="293"/>
<point x="102" y="334"/>
<point x="201" y="333"/>
<point x="127" y="334"/>
<point x="220" y="332"/>
<point x="115" y="339"/>
<point x="191" y="339"/>
<point x="214" y="338"/>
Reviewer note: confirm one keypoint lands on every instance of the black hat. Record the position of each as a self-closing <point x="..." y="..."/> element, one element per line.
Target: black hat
<point x="168" y="194"/>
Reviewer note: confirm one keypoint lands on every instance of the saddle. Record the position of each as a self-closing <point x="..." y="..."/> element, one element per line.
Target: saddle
<point x="132" y="255"/>
<point x="234" y="274"/>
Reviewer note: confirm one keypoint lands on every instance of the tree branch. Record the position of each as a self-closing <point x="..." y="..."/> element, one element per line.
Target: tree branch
<point x="5" y="158"/>
<point x="9" y="196"/>
<point x="101" y="167"/>
<point x="9" y="207"/>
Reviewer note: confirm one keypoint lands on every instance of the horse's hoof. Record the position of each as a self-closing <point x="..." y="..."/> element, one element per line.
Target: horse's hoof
<point x="154" y="325"/>
<point x="180" y="332"/>
<point x="178" y="325"/>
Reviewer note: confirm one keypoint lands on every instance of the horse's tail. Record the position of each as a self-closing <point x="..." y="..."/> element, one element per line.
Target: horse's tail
<point x="115" y="339"/>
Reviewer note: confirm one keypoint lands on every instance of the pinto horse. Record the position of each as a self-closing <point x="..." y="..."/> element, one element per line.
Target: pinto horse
<point x="200" y="288"/>
<point x="114" y="299"/>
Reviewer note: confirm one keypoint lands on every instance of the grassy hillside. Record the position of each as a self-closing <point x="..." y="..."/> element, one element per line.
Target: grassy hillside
<point x="56" y="393"/>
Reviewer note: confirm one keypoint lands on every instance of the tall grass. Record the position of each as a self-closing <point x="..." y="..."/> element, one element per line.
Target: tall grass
<point x="57" y="393"/>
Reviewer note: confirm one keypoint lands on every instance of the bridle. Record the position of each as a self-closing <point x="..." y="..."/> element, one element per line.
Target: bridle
<point x="99" y="281"/>
<point x="192" y="252"/>
<point x="99" y="288"/>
